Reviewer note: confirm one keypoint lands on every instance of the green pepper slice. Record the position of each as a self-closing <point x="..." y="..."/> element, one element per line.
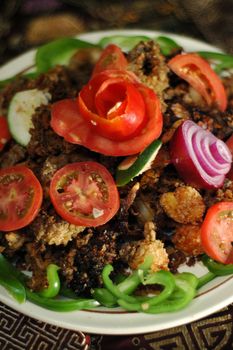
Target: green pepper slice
<point x="9" y="280"/>
<point x="58" y="52"/>
<point x="125" y="42"/>
<point x="167" y="45"/>
<point x="217" y="268"/>
<point x="222" y="61"/>
<point x="53" y="282"/>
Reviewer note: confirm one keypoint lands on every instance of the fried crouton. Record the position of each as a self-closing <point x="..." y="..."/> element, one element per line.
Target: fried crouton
<point x="147" y="62"/>
<point x="136" y="252"/>
<point x="187" y="238"/>
<point x="51" y="229"/>
<point x="185" y="205"/>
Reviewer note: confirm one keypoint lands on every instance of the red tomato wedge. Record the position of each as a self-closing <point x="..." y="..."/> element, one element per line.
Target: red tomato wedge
<point x="20" y="197"/>
<point x="217" y="232"/>
<point x="113" y="106"/>
<point x="111" y="58"/>
<point x="199" y="74"/>
<point x="84" y="194"/>
<point x="5" y="135"/>
<point x="67" y="121"/>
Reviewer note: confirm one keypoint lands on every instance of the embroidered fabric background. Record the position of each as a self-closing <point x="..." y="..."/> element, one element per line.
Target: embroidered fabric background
<point x="28" y="23"/>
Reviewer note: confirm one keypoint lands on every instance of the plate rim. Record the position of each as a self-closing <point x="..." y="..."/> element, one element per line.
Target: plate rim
<point x="54" y="318"/>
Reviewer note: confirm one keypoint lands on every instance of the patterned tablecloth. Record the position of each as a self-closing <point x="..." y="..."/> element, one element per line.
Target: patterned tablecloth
<point x="27" y="23"/>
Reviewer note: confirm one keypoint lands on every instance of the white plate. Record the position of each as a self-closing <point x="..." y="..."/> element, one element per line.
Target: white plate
<point x="211" y="298"/>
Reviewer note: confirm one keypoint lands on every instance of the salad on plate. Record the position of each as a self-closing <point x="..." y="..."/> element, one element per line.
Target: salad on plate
<point x="115" y="170"/>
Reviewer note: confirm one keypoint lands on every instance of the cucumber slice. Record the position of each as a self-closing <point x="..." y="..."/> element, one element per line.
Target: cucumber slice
<point x="136" y="165"/>
<point x="21" y="110"/>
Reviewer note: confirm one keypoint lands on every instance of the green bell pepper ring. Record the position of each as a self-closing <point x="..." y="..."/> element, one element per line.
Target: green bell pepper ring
<point x="127" y="286"/>
<point x="217" y="268"/>
<point x="10" y="281"/>
<point x="182" y="295"/>
<point x="53" y="282"/>
<point x="142" y="303"/>
<point x="61" y="305"/>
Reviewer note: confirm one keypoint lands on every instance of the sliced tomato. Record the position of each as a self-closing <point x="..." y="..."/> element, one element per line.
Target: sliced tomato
<point x="79" y="131"/>
<point x="84" y="194"/>
<point x="5" y="135"/>
<point x="217" y="232"/>
<point x="199" y="74"/>
<point x="20" y="197"/>
<point x="111" y="58"/>
<point x="113" y="106"/>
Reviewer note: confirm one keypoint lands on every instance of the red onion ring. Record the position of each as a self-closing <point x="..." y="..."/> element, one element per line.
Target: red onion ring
<point x="200" y="158"/>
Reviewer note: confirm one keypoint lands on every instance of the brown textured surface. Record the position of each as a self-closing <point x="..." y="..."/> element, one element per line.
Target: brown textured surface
<point x="209" y="20"/>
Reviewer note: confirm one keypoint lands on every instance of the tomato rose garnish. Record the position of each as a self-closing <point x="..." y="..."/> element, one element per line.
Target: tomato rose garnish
<point x="84" y="194"/>
<point x="113" y="105"/>
<point x="77" y="123"/>
<point x="115" y="114"/>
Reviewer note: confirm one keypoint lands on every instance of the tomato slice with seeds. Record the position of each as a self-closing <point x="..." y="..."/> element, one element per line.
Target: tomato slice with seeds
<point x="84" y="194"/>
<point x="111" y="58"/>
<point x="199" y="74"/>
<point x="20" y="197"/>
<point x="217" y="232"/>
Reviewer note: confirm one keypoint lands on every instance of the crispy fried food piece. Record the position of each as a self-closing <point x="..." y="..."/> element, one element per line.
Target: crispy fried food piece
<point x="136" y="252"/>
<point x="147" y="62"/>
<point x="51" y="229"/>
<point x="15" y="240"/>
<point x="185" y="205"/>
<point x="187" y="238"/>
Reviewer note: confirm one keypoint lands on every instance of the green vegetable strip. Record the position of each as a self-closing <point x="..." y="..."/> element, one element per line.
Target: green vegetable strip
<point x="222" y="61"/>
<point x="58" y="52"/>
<point x="59" y="304"/>
<point x="185" y="291"/>
<point x="167" y="45"/>
<point x="125" y="42"/>
<point x="217" y="268"/>
<point x="104" y="297"/>
<point x="163" y="278"/>
<point x="9" y="280"/>
<point x="53" y="282"/>
<point x="209" y="276"/>
<point x="127" y="286"/>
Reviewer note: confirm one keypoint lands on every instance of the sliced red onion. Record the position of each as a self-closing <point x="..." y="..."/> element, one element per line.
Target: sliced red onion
<point x="200" y="158"/>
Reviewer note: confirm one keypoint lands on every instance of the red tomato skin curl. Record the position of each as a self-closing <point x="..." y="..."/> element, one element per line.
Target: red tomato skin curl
<point x="208" y="79"/>
<point x="208" y="237"/>
<point x="114" y="200"/>
<point x="5" y="135"/>
<point x="111" y="58"/>
<point x="36" y="202"/>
